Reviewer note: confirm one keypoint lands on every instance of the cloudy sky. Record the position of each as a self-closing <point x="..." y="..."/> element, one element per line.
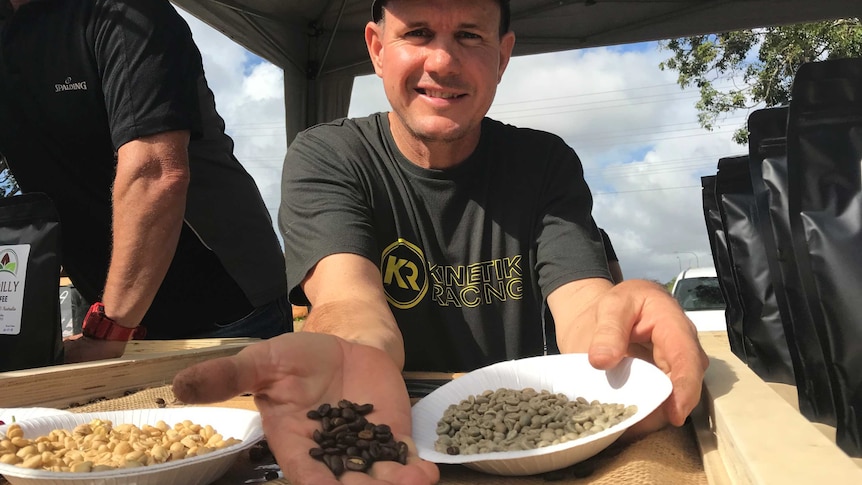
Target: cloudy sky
<point x="634" y="129"/>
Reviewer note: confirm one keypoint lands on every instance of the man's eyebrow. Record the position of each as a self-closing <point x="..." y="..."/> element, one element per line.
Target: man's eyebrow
<point x="423" y="24"/>
<point x="416" y="24"/>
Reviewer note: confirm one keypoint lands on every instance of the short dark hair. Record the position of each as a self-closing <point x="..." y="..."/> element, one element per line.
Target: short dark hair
<point x="505" y="13"/>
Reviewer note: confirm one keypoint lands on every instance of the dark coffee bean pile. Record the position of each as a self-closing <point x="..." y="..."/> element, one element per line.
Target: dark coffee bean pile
<point x="348" y="441"/>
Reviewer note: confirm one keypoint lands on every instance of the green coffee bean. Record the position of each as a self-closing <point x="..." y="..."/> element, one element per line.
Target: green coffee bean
<point x="509" y="419"/>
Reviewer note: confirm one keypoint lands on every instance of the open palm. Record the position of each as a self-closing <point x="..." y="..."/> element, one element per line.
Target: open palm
<point x="294" y="373"/>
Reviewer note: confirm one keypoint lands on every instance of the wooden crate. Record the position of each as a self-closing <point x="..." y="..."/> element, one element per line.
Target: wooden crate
<point x="146" y="363"/>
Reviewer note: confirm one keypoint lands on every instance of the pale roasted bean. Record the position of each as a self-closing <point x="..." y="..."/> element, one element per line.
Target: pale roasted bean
<point x="14" y="431"/>
<point x="82" y="467"/>
<point x="10" y="459"/>
<point x="32" y="462"/>
<point x="98" y="446"/>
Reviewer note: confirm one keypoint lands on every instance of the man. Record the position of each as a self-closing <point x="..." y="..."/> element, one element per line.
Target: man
<point x="105" y="108"/>
<point x="428" y="239"/>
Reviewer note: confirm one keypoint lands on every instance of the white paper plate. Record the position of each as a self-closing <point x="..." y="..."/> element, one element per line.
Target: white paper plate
<point x="20" y="414"/>
<point x="199" y="470"/>
<point x="633" y="382"/>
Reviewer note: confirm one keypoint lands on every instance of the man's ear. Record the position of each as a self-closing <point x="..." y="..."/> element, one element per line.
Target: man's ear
<point x="374" y="42"/>
<point x="507" y="43"/>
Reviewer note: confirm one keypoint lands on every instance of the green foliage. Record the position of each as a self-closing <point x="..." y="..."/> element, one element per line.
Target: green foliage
<point x="730" y="75"/>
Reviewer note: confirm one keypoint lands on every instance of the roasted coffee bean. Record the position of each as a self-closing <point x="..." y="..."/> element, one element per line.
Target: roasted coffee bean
<point x="389" y="454"/>
<point x="402" y="452"/>
<point x="335" y="464"/>
<point x="349" y="438"/>
<point x="348" y="414"/>
<point x="316" y="452"/>
<point x="356" y="463"/>
<point x="313" y="414"/>
<point x="374" y="450"/>
<point x="347" y="441"/>
<point x="358" y="425"/>
<point x="364" y="409"/>
<point x="336" y="422"/>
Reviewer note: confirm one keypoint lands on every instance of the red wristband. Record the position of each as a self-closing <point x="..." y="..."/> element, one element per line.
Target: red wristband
<point x="98" y="326"/>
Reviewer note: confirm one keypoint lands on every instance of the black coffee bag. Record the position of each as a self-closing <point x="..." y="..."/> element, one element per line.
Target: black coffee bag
<point x="30" y="333"/>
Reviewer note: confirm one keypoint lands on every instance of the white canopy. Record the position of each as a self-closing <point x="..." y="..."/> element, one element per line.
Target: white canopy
<point x="320" y="43"/>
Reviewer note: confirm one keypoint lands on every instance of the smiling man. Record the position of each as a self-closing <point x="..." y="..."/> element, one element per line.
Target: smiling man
<point x="430" y="238"/>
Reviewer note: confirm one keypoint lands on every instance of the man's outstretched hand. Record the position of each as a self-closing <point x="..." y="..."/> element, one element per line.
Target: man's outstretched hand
<point x="296" y="372"/>
<point x="640" y="319"/>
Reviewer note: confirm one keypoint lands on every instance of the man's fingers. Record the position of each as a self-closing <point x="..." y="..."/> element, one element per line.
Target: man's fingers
<point x="614" y="319"/>
<point x="685" y="362"/>
<point x="416" y="472"/>
<point x="687" y="378"/>
<point x="216" y="380"/>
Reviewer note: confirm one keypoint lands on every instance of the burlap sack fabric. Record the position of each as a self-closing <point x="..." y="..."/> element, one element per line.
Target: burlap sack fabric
<point x="666" y="457"/>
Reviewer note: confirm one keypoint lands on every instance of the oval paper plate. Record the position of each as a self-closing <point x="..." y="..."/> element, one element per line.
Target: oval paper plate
<point x="633" y="382"/>
<point x="199" y="470"/>
<point x="7" y="415"/>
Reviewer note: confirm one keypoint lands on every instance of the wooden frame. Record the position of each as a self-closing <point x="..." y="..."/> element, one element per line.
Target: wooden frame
<point x="146" y="363"/>
<point x="747" y="433"/>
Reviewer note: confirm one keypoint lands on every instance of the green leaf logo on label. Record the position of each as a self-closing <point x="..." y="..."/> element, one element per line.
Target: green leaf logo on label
<point x="8" y="262"/>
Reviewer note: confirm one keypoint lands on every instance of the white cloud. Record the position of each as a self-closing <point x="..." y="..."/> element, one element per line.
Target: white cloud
<point x="635" y="130"/>
<point x="249" y="96"/>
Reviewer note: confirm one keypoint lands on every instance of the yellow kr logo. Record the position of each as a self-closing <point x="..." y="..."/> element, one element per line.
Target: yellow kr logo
<point x="405" y="276"/>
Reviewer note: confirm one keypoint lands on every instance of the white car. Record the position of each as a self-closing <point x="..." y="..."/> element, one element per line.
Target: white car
<point x="697" y="290"/>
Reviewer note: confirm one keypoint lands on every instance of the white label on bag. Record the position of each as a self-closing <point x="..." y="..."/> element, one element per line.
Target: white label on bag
<point x="13" y="274"/>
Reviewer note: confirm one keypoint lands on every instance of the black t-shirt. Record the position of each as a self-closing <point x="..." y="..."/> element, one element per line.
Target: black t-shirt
<point x="609" y="248"/>
<point x="80" y="78"/>
<point x="467" y="255"/>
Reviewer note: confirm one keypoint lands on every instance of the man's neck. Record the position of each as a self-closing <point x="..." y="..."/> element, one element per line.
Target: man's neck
<point x="438" y="155"/>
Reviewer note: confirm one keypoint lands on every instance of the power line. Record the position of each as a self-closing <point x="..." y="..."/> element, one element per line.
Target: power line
<point x="648" y="190"/>
<point x="595" y="93"/>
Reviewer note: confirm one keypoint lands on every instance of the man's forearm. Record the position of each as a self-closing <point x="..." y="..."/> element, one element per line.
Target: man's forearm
<point x="358" y="323"/>
<point x="148" y="209"/>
